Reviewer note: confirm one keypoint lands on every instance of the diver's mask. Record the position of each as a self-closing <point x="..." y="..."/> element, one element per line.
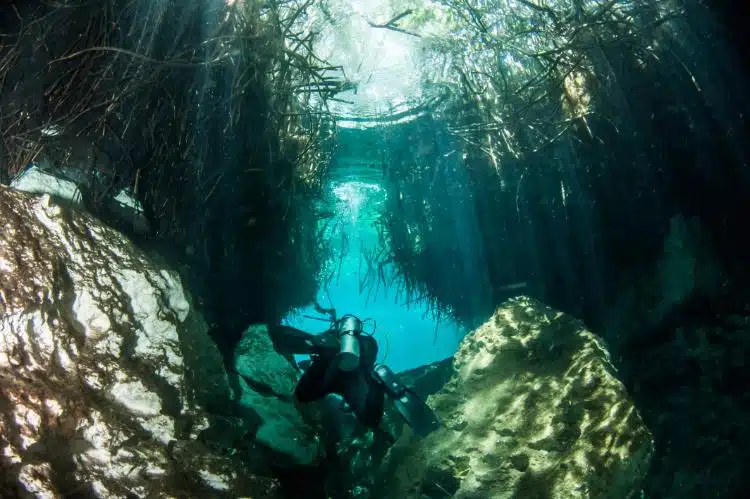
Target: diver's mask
<point x="349" y="329"/>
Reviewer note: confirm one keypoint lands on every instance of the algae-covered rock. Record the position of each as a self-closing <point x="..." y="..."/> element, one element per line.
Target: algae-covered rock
<point x="278" y="427"/>
<point x="533" y="410"/>
<point x="263" y="391"/>
<point x="257" y="361"/>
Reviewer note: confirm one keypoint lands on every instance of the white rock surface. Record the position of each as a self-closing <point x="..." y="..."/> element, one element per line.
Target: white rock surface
<point x="95" y="396"/>
<point x="130" y="210"/>
<point x="36" y="181"/>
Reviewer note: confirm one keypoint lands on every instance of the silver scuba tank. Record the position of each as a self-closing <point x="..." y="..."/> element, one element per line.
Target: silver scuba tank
<point x="349" y="330"/>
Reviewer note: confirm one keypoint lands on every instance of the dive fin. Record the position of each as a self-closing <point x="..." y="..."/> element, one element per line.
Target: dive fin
<point x="412" y="408"/>
<point x="290" y="340"/>
<point x="416" y="413"/>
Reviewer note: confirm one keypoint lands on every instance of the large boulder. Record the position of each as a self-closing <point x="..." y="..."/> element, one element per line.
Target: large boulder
<point x="265" y="381"/>
<point x="73" y="186"/>
<point x="96" y="398"/>
<point x="278" y="427"/>
<point x="34" y="180"/>
<point x="257" y="361"/>
<point x="533" y="410"/>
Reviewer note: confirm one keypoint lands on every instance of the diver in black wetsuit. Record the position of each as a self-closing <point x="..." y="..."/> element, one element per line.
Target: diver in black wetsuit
<point x="343" y="362"/>
<point x="332" y="371"/>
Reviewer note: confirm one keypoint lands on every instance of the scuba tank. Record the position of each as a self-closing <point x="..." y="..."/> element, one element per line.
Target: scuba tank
<point x="349" y="330"/>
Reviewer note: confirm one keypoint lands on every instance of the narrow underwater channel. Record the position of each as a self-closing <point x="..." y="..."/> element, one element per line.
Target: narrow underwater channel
<point x="410" y="335"/>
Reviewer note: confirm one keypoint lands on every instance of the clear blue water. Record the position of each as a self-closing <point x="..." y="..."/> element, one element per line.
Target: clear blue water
<point x="408" y="336"/>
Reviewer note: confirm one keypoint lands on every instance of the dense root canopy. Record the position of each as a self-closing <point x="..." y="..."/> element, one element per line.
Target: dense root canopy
<point x="201" y="110"/>
<point x="581" y="128"/>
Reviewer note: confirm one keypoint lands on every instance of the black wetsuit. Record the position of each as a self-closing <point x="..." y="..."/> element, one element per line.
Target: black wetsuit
<point x="359" y="388"/>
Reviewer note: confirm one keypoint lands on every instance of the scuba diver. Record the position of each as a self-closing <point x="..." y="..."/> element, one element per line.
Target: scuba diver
<point x="344" y="363"/>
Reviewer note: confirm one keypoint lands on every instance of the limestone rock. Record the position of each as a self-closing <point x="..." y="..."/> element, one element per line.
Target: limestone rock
<point x="206" y="380"/>
<point x="36" y="181"/>
<point x="278" y="427"/>
<point x="95" y="399"/>
<point x="263" y="391"/>
<point x="257" y="361"/>
<point x="67" y="186"/>
<point x="533" y="410"/>
<point x="127" y="209"/>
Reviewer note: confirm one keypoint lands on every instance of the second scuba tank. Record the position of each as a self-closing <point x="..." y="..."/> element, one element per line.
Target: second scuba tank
<point x="348" y="331"/>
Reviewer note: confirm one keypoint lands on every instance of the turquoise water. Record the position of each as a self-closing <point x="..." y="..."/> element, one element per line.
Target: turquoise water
<point x="408" y="334"/>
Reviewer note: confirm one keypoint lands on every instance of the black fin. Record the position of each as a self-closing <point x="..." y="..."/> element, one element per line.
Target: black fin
<point x="412" y="408"/>
<point x="416" y="413"/>
<point x="290" y="340"/>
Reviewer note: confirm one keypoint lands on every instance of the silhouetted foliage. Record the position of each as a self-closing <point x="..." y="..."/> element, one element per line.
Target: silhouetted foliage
<point x="202" y="111"/>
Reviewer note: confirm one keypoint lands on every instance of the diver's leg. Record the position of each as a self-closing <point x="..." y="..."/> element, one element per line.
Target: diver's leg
<point x="310" y="388"/>
<point x="290" y="340"/>
<point x="316" y="383"/>
<point x="374" y="403"/>
<point x="365" y="396"/>
<point x="313" y="384"/>
<point x="381" y="433"/>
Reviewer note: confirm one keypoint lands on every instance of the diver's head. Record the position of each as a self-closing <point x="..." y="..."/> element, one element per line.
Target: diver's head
<point x="349" y="328"/>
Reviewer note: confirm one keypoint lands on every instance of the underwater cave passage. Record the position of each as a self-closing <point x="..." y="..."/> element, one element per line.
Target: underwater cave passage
<point x="414" y="163"/>
<point x="357" y="280"/>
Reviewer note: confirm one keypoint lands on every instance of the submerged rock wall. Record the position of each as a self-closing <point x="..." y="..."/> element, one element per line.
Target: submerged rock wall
<point x="533" y="410"/>
<point x="102" y="365"/>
